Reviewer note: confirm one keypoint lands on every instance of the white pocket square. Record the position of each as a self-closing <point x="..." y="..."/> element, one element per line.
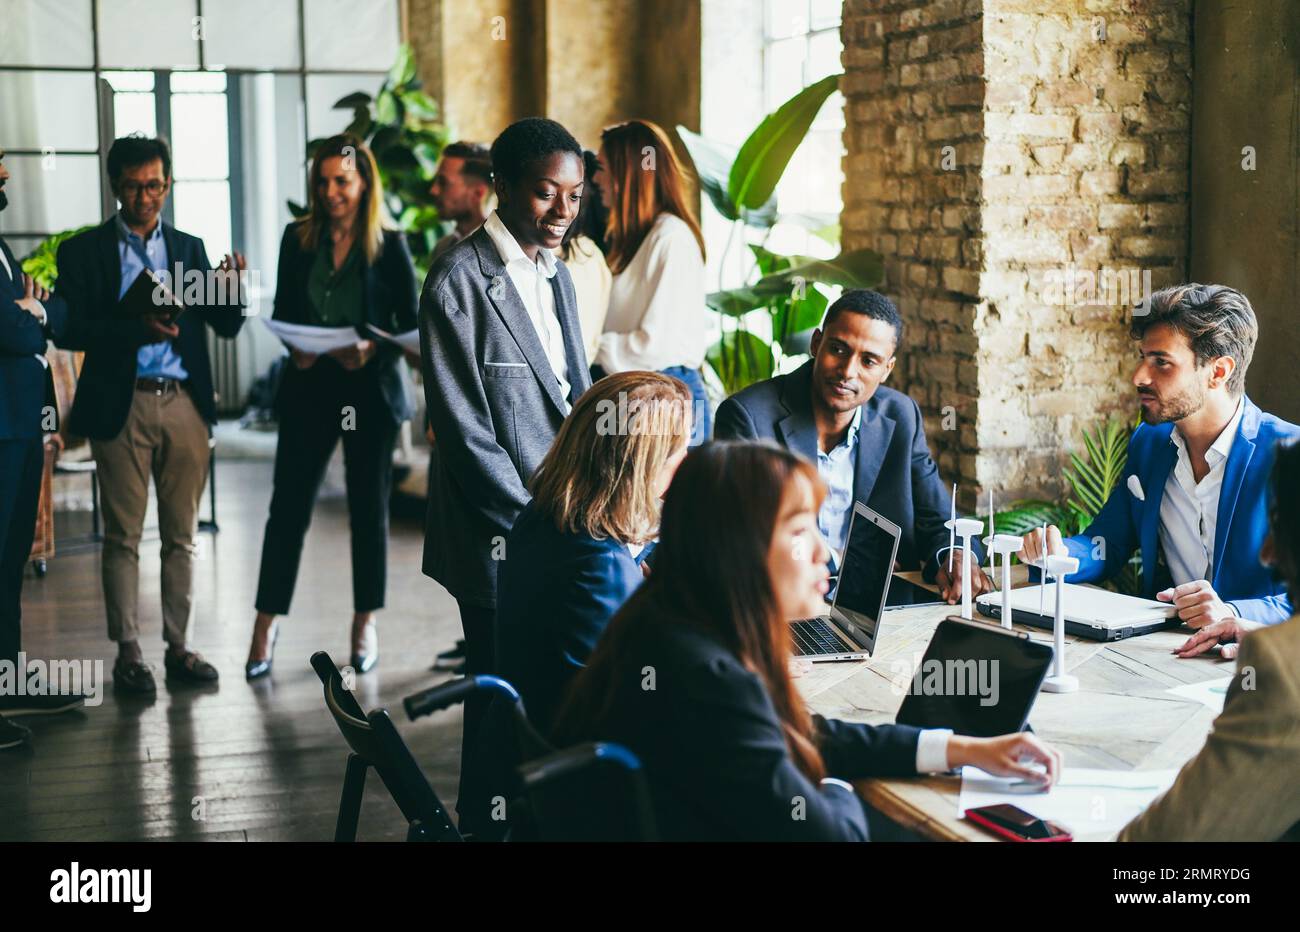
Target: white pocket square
<point x="1135" y="487"/>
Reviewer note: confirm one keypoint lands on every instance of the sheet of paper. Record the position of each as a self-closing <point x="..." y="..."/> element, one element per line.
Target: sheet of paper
<point x="1210" y="693"/>
<point x="308" y="339"/>
<point x="1092" y="804"/>
<point x="409" y="341"/>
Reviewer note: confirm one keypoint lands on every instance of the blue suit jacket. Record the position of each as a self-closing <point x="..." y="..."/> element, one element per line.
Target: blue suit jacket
<point x="1126" y="523"/>
<point x="895" y="475"/>
<point x="25" y="387"/>
<point x="556" y="592"/>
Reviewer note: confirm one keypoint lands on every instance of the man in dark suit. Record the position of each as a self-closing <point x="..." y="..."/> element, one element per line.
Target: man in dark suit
<point x="145" y="396"/>
<point x="28" y="316"/>
<point x="503" y="363"/>
<point x="868" y="441"/>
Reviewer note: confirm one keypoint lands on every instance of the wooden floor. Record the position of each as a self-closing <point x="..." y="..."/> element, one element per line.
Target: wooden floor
<point x="238" y="761"/>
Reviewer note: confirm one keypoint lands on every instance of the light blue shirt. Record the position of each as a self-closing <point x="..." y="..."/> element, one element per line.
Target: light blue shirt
<point x="153" y="360"/>
<point x="838" y="469"/>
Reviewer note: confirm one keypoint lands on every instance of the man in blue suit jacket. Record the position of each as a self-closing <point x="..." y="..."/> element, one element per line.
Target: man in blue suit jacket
<point x="868" y="441"/>
<point x="28" y="317"/>
<point x="1195" y="492"/>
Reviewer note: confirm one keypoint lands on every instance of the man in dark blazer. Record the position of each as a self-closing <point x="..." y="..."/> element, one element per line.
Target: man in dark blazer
<point x="503" y="364"/>
<point x="868" y="441"/>
<point x="145" y="396"/>
<point x="28" y="317"/>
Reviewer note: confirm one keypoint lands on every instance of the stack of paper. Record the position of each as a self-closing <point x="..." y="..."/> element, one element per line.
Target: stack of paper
<point x="317" y="340"/>
<point x="1092" y="804"/>
<point x="409" y="341"/>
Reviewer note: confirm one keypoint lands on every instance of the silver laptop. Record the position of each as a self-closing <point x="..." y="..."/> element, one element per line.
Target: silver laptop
<point x="1088" y="612"/>
<point x="850" y="631"/>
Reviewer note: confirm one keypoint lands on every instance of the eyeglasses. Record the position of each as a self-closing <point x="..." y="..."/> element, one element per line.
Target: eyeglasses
<point x="131" y="189"/>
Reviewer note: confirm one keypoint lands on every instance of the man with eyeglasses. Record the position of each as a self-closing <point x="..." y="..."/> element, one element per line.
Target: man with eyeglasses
<point x="145" y="396"/>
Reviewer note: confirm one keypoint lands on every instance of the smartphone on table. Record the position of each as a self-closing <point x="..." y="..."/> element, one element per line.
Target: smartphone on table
<point x="1014" y="824"/>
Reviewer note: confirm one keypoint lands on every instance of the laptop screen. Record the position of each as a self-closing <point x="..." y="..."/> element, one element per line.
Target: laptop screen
<point x="864" y="574"/>
<point x="975" y="680"/>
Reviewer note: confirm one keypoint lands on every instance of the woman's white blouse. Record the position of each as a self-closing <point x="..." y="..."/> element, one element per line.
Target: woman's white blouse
<point x="656" y="313"/>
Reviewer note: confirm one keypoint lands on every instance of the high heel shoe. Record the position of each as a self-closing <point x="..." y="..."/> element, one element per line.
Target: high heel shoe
<point x="366" y="655"/>
<point x="256" y="669"/>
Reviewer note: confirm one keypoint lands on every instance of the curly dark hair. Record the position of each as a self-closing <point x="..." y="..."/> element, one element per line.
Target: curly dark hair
<point x="527" y="141"/>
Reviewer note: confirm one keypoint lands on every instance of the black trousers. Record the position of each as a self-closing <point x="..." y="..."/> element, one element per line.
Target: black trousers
<point x="21" y="464"/>
<point x="479" y="624"/>
<point x="317" y="407"/>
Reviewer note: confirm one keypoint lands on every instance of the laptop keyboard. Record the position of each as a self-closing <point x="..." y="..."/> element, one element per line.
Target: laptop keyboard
<point x="812" y="638"/>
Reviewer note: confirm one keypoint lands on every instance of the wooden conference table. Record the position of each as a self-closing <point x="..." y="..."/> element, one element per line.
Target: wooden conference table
<point x="1121" y="718"/>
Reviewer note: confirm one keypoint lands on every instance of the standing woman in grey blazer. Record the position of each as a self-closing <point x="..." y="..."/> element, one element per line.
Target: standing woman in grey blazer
<point x="341" y="265"/>
<point x="503" y="364"/>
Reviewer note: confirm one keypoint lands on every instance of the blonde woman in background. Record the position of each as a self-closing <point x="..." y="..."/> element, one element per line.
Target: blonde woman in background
<point x="341" y="265"/>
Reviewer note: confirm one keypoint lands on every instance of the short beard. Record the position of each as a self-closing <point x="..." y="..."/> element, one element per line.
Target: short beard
<point x="1177" y="407"/>
<point x="4" y="199"/>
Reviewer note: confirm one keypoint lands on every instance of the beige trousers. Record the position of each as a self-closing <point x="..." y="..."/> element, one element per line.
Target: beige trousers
<point x="164" y="436"/>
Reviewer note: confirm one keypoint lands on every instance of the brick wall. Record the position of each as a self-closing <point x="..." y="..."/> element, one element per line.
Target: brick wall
<point x="993" y="146"/>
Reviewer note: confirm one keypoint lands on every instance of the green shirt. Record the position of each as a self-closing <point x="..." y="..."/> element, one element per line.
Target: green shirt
<point x="337" y="296"/>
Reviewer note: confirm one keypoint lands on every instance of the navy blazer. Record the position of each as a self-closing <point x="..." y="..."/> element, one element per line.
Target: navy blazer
<point x="714" y="753"/>
<point x="390" y="305"/>
<point x="90" y="280"/>
<point x="896" y="477"/>
<point x="25" y="385"/>
<point x="556" y="591"/>
<point x="1127" y="523"/>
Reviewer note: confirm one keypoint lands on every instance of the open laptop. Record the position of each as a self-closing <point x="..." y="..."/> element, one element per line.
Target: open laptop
<point x="849" y="632"/>
<point x="1089" y="612"/>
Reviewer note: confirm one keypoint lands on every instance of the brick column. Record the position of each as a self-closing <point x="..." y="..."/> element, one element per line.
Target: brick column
<point x="992" y="148"/>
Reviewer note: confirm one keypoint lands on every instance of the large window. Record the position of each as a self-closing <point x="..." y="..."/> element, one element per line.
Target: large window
<point x="214" y="77"/>
<point x="237" y="86"/>
<point x="801" y="45"/>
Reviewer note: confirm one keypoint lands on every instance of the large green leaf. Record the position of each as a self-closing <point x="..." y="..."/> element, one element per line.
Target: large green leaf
<point x="1092" y="479"/>
<point x="860" y="268"/>
<point x="800" y="313"/>
<point x="41" y="264"/>
<point x="388" y="110"/>
<point x="403" y="69"/>
<point x="713" y="162"/>
<point x="741" y="359"/>
<point x="352" y="101"/>
<point x="736" y="301"/>
<point x="766" y="153"/>
<point x="1023" y="515"/>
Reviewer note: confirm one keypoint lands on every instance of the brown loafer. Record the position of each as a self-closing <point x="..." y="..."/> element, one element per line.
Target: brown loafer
<point x="189" y="667"/>
<point x="134" y="677"/>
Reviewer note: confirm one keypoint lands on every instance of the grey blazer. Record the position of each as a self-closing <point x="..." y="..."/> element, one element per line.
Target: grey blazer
<point x="494" y="405"/>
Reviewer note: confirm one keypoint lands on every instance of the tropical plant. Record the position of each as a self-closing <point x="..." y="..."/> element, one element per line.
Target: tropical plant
<point x="40" y="264"/>
<point x="784" y="293"/>
<point x="400" y="125"/>
<point x="1091" y="479"/>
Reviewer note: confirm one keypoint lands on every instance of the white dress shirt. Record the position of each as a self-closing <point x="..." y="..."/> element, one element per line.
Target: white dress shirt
<point x="656" y="312"/>
<point x="838" y="469"/>
<point x="532" y="280"/>
<point x="1189" y="510"/>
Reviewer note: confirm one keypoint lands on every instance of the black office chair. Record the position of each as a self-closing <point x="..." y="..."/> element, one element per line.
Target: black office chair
<point x="592" y="792"/>
<point x="375" y="743"/>
<point x="505" y="740"/>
